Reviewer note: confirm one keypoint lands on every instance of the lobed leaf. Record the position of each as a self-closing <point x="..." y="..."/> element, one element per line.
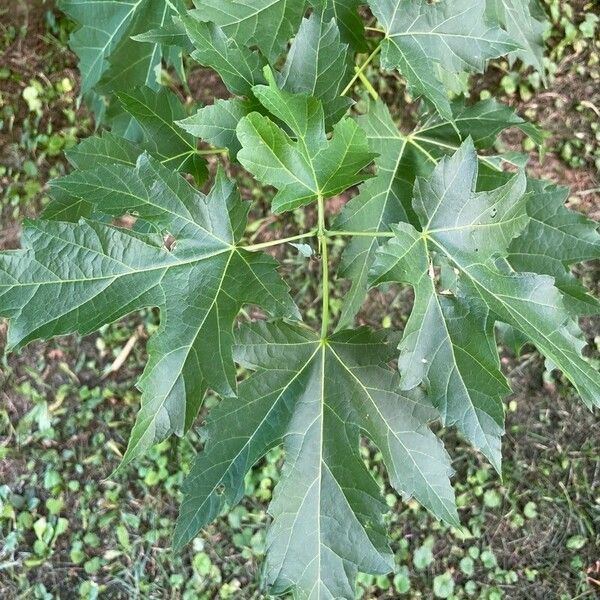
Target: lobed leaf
<point x="110" y="60"/>
<point x="103" y="25"/>
<point x="97" y="150"/>
<point x="156" y="113"/>
<point x="239" y="67"/>
<point x="452" y="35"/>
<point x="317" y="398"/>
<point x="309" y="166"/>
<point x="79" y="276"/>
<point x="556" y="238"/>
<point x="217" y="123"/>
<point x="387" y="198"/>
<point x="448" y="342"/>
<point x="345" y="12"/>
<point x="266" y="24"/>
<point x="318" y="65"/>
<point x="526" y="23"/>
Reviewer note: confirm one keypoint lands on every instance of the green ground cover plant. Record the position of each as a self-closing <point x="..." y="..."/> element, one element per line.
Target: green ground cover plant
<point x="436" y="210"/>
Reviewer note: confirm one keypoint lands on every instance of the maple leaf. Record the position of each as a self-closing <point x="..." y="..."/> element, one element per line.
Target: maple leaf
<point x="76" y="277"/>
<point x="526" y="23"/>
<point x="239" y="67"/>
<point x="317" y="65"/>
<point x="452" y="35"/>
<point x="556" y="238"/>
<point x="316" y="398"/>
<point x="387" y="198"/>
<point x="309" y="166"/>
<point x="448" y="343"/>
<point x="266" y="24"/>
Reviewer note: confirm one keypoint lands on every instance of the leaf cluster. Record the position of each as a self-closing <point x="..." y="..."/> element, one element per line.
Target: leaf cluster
<point x="480" y="243"/>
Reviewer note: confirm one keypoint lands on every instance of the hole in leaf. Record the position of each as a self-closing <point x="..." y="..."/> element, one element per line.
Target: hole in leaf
<point x="126" y="221"/>
<point x="169" y="241"/>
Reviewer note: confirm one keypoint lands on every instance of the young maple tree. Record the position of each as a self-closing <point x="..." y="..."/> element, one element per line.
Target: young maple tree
<point x="437" y="210"/>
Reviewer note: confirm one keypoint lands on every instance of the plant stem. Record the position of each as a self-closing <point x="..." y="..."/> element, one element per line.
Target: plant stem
<point x="375" y="30"/>
<point x="368" y="86"/>
<point x="323" y="235"/>
<point x="362" y="68"/>
<point x="261" y="246"/>
<point x="324" y="252"/>
<point x="207" y="152"/>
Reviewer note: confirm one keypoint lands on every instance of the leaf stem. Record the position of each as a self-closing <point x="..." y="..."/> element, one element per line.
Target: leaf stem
<point x="383" y="234"/>
<point x="324" y="252"/>
<point x="211" y="151"/>
<point x="362" y="69"/>
<point x="369" y="87"/>
<point x="375" y="30"/>
<point x="207" y="152"/>
<point x="261" y="246"/>
<point x="322" y="235"/>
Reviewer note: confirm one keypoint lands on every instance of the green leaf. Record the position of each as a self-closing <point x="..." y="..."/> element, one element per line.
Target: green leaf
<point x="576" y="542"/>
<point x="78" y="277"/>
<point x="106" y="148"/>
<point x="266" y="24"/>
<point x="473" y="231"/>
<point x="526" y="23"/>
<point x="316" y="398"/>
<point x="106" y="25"/>
<point x="134" y="63"/>
<point x="386" y="199"/>
<point x="309" y="166"/>
<point x="482" y="121"/>
<point x="95" y="151"/>
<point x="170" y="34"/>
<point x="554" y="239"/>
<point x="216" y="124"/>
<point x="448" y="345"/>
<point x="422" y="557"/>
<point x="240" y="431"/>
<point x="318" y="65"/>
<point x="451" y="35"/>
<point x="481" y="224"/>
<point x="345" y="12"/>
<point x="156" y="113"/>
<point x="239" y="68"/>
<point x="443" y="585"/>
